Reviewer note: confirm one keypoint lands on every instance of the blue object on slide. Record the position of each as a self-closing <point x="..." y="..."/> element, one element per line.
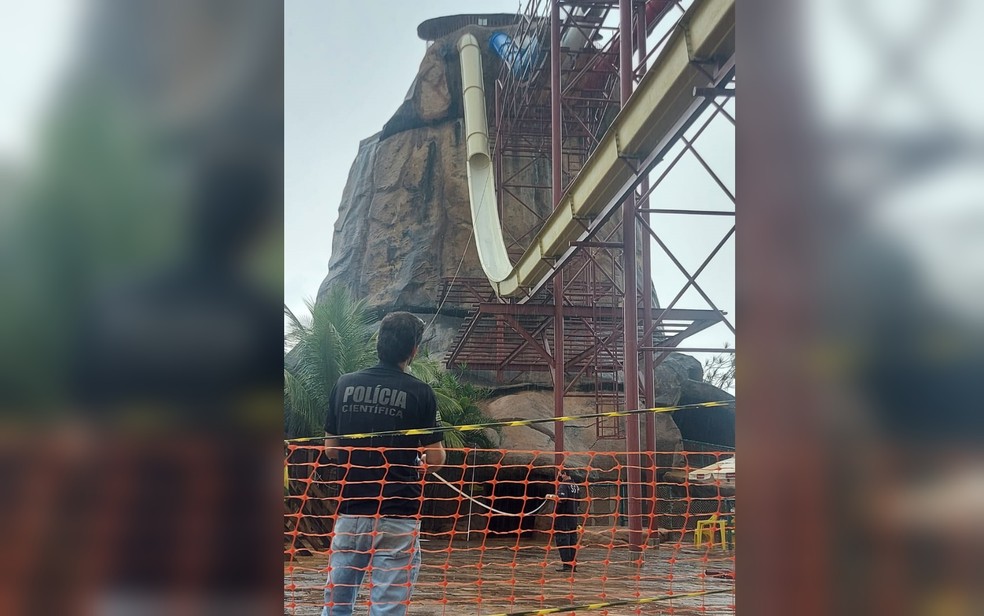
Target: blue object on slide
<point x="501" y="44"/>
<point x="519" y="59"/>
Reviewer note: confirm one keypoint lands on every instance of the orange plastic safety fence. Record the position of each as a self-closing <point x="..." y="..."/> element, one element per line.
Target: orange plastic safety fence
<point x="494" y="536"/>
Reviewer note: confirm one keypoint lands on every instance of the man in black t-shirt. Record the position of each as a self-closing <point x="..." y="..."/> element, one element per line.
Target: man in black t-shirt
<point x="378" y="525"/>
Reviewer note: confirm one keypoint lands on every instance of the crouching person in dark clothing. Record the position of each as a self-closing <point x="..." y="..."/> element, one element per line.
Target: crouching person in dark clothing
<point x="566" y="515"/>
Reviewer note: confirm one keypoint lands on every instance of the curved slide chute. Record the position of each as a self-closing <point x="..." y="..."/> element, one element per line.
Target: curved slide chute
<point x="648" y="118"/>
<point x="481" y="189"/>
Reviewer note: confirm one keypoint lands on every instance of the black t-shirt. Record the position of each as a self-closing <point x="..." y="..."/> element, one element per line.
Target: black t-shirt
<point x="381" y="398"/>
<point x="568" y="506"/>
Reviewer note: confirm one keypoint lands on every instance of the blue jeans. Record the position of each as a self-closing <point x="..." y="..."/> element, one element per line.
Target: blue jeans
<point x="389" y="548"/>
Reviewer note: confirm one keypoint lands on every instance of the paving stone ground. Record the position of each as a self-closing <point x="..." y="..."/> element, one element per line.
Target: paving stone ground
<point x="509" y="575"/>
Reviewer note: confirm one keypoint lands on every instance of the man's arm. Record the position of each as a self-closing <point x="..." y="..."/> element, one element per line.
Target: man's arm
<point x="434" y="454"/>
<point x="331" y="447"/>
<point x="328" y="460"/>
<point x="331" y="427"/>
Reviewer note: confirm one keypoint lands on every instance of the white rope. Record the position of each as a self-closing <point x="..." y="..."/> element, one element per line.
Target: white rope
<point x="481" y="504"/>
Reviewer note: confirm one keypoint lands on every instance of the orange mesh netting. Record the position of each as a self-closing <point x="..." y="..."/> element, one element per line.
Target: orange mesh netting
<point x="489" y="534"/>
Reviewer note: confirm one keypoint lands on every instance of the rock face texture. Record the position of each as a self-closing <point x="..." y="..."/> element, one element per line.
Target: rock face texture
<point x="679" y="382"/>
<point x="404" y="222"/>
<point x="578" y="435"/>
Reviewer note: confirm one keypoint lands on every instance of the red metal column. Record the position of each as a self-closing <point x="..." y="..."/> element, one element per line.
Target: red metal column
<point x="648" y="387"/>
<point x="556" y="149"/>
<point x="497" y="152"/>
<point x="648" y="366"/>
<point x="630" y="314"/>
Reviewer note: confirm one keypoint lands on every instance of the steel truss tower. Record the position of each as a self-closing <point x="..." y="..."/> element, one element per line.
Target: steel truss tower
<point x="594" y="323"/>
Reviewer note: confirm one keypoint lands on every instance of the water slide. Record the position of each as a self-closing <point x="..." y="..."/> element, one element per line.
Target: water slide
<point x="707" y="30"/>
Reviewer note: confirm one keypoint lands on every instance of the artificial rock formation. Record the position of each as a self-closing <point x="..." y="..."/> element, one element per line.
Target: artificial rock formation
<point x="404" y="222"/>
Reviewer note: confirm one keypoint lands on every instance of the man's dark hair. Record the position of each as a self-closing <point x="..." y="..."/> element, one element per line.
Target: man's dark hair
<point x="399" y="333"/>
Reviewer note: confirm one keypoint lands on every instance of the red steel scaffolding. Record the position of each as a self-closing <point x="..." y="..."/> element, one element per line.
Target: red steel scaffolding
<point x="573" y="325"/>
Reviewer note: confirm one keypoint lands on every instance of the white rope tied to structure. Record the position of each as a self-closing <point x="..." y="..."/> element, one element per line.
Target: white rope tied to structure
<point x="481" y="504"/>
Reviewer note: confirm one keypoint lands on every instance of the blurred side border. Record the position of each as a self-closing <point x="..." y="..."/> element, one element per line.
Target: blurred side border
<point x="141" y="328"/>
<point x="859" y="424"/>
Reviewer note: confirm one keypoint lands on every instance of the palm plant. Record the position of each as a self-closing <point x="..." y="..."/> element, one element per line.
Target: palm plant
<point x="719" y="370"/>
<point x="457" y="404"/>
<point x="337" y="340"/>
